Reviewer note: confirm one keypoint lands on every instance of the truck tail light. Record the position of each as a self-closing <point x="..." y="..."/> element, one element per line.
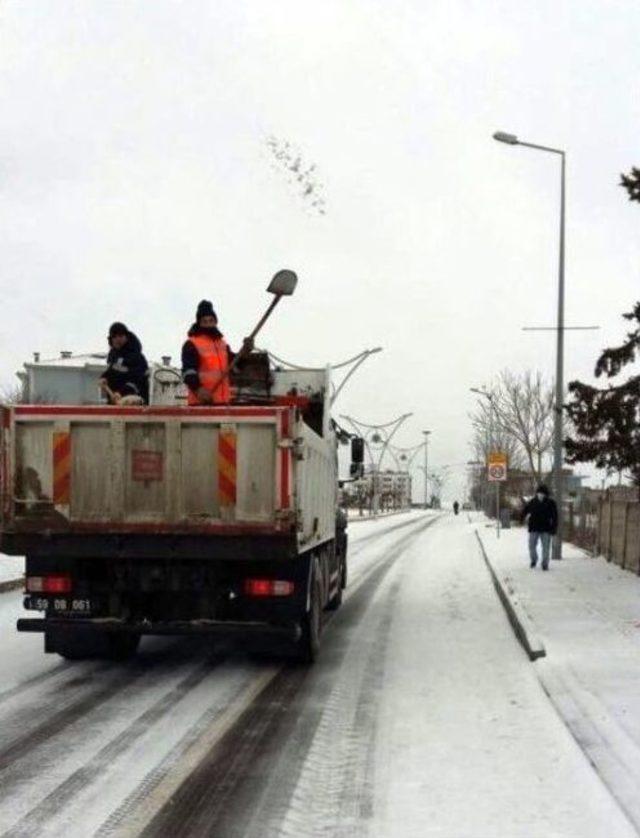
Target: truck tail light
<point x="54" y="584"/>
<point x="268" y="587"/>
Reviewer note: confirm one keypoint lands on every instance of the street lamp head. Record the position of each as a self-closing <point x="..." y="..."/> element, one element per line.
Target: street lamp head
<point x="426" y="433"/>
<point x="503" y="137"/>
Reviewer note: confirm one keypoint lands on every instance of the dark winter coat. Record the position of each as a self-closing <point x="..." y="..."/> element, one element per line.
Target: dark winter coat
<point x="543" y="515"/>
<point x="191" y="356"/>
<point x="127" y="370"/>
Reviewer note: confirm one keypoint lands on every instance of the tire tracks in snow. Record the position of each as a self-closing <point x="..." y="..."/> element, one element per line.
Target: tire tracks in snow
<point x="64" y="671"/>
<point x="34" y="822"/>
<point x="69" y="713"/>
<point x="69" y="706"/>
<point x="259" y="778"/>
<point x="356" y="545"/>
<point x="101" y="685"/>
<point x="334" y="793"/>
<point x="40" y="761"/>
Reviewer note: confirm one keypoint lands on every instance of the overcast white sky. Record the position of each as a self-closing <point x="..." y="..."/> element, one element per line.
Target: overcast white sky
<point x="135" y="180"/>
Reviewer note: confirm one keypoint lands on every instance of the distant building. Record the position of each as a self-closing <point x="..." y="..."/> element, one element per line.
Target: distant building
<point x="73" y="379"/>
<point x="68" y="379"/>
<point x="392" y="487"/>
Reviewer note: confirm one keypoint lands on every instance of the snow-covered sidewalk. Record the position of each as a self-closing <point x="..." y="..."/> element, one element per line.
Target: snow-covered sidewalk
<point x="11" y="572"/>
<point x="588" y="614"/>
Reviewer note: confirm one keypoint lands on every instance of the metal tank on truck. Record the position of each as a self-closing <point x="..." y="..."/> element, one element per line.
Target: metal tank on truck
<point x="169" y="520"/>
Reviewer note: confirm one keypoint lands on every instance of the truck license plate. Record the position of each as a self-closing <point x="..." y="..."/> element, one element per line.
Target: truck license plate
<point x="75" y="605"/>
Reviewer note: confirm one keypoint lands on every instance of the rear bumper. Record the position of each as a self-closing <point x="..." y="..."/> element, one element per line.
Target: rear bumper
<point x="215" y="628"/>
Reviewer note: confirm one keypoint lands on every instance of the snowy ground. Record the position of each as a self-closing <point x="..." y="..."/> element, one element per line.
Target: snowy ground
<point x="11" y="567"/>
<point x="588" y="614"/>
<point x="423" y="717"/>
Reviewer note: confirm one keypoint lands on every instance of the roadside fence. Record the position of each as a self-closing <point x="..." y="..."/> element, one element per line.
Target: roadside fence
<point x="618" y="533"/>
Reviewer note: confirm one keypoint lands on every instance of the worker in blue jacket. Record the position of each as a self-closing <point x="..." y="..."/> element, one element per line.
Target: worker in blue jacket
<point x="127" y="370"/>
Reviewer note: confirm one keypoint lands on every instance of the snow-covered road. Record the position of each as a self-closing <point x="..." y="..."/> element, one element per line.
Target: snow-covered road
<point x="423" y="717"/>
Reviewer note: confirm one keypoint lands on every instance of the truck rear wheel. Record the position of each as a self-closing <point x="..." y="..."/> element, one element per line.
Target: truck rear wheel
<point x="308" y="646"/>
<point x="336" y="600"/>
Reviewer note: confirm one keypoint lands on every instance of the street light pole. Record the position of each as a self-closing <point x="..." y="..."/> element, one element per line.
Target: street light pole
<point x="557" y="427"/>
<point x="511" y="139"/>
<point x="426" y="468"/>
<point x="491" y="397"/>
<point x="376" y="433"/>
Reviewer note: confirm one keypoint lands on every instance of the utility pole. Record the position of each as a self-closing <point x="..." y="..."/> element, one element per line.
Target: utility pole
<point x="426" y="468"/>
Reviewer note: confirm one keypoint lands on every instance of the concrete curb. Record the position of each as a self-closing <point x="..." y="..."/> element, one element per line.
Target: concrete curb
<point x="521" y="623"/>
<point x="11" y="584"/>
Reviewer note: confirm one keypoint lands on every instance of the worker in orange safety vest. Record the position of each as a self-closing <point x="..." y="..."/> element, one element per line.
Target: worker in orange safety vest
<point x="206" y="358"/>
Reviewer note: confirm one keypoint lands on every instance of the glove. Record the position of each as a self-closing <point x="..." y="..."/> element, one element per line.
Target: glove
<point x="204" y="395"/>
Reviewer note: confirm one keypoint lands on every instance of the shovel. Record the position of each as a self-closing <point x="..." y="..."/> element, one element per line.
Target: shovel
<point x="283" y="284"/>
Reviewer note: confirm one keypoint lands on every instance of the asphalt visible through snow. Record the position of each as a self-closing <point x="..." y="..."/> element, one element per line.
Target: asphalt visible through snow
<point x="422" y="717"/>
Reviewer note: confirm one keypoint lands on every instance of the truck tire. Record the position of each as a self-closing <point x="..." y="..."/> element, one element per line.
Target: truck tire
<point x="336" y="600"/>
<point x="71" y="645"/>
<point x="308" y="646"/>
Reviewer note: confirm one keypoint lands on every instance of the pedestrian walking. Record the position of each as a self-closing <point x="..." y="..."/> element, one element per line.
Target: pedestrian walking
<point x="542" y="513"/>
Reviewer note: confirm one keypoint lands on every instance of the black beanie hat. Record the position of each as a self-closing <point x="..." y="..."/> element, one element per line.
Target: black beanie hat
<point x="543" y="489"/>
<point x="117" y="328"/>
<point x="205" y="309"/>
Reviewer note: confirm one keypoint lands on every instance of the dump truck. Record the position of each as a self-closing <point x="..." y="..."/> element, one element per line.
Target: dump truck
<point x="175" y="520"/>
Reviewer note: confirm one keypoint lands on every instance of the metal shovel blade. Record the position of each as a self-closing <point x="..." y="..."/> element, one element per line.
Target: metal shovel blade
<point x="283" y="283"/>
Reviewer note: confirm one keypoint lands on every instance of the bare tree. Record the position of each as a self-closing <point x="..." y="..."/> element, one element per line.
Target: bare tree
<point x="524" y="407"/>
<point x="16" y="395"/>
<point x="523" y="421"/>
<point x="482" y="444"/>
<point x="11" y="395"/>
